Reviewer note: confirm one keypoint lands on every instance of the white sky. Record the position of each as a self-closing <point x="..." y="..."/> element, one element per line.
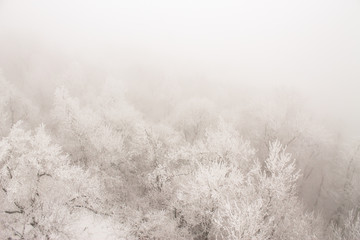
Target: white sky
<point x="313" y="45"/>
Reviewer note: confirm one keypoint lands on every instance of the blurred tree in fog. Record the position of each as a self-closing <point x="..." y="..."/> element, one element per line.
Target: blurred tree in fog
<point x="14" y="107"/>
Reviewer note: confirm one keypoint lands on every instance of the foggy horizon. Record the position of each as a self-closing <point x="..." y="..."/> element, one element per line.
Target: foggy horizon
<point x="311" y="47"/>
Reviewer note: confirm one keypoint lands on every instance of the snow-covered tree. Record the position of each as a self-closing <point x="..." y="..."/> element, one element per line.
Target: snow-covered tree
<point x="41" y="191"/>
<point x="267" y="206"/>
<point x="349" y="229"/>
<point x="220" y="201"/>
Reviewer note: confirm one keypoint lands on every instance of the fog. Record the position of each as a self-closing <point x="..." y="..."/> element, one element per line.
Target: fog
<point x="122" y="117"/>
<point x="310" y="46"/>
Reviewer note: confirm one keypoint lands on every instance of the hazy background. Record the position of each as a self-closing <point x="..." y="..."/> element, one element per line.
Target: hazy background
<point x="310" y="46"/>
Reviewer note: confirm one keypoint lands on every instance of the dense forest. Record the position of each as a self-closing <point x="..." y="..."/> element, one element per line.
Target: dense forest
<point x="105" y="165"/>
<point x="167" y="120"/>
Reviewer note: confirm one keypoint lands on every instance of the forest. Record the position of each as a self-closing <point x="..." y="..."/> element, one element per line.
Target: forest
<point x="169" y="120"/>
<point x="96" y="167"/>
